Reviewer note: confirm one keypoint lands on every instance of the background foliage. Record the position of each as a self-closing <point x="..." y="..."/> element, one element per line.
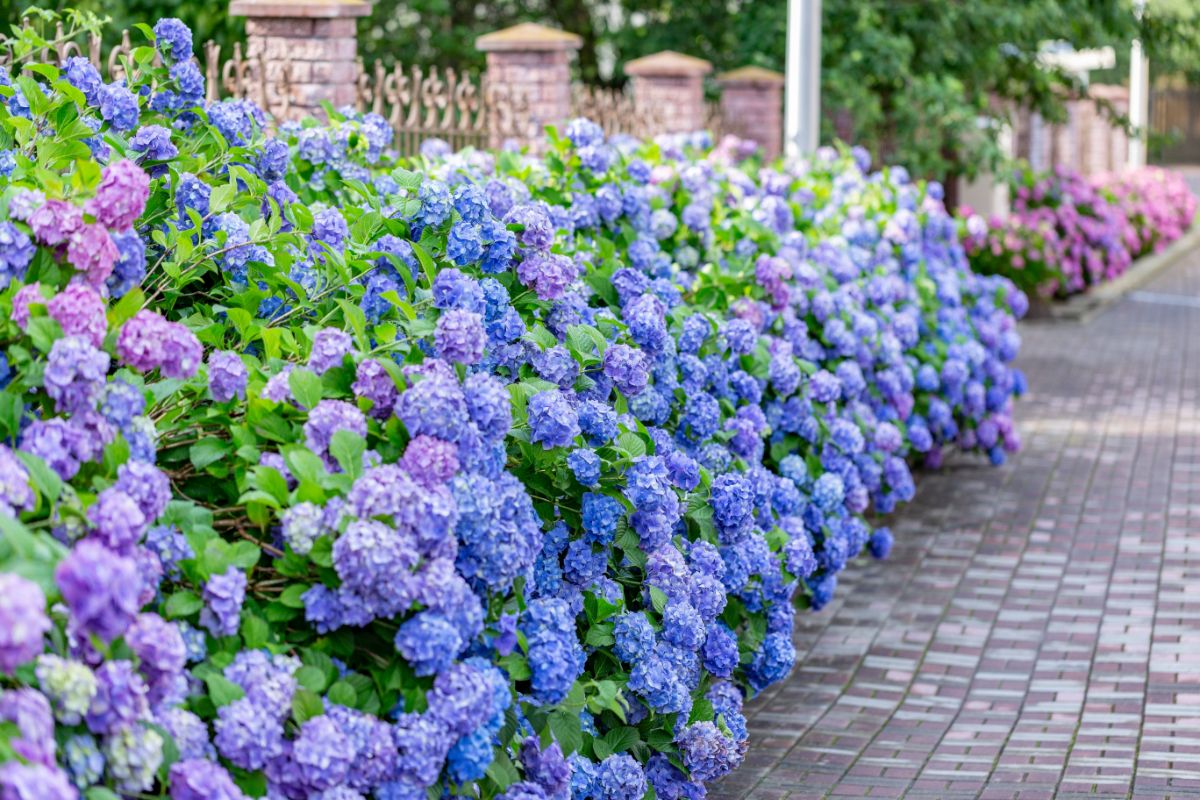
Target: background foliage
<point x="905" y="79"/>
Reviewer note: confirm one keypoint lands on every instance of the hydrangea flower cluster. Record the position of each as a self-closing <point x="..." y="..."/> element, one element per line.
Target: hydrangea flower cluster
<point x="466" y="475"/>
<point x="1068" y="232"/>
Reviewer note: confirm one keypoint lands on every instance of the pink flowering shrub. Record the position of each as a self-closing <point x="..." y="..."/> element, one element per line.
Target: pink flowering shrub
<point x="1157" y="202"/>
<point x="1067" y="233"/>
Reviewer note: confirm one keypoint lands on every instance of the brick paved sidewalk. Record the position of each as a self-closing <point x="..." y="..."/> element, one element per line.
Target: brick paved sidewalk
<point x="1036" y="632"/>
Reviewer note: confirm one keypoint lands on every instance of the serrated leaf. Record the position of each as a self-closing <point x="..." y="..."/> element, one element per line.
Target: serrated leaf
<point x="306" y="387"/>
<point x="182" y="603"/>
<point x="221" y="690"/>
<point x="306" y="705"/>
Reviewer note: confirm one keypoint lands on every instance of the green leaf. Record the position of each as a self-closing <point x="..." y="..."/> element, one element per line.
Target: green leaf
<point x="306" y="387"/>
<point x="658" y="598"/>
<point x="292" y="596"/>
<point x="621" y="739"/>
<point x="183" y="603"/>
<point x="426" y="262"/>
<point x="207" y="451"/>
<point x="222" y="690"/>
<point x="255" y="632"/>
<point x="632" y="443"/>
<point x="343" y="694"/>
<point x="516" y="666"/>
<point x="347" y="448"/>
<point x="44" y="332"/>
<point x="567" y="731"/>
<point x="306" y="705"/>
<point x="311" y="678"/>
<point x="45" y="480"/>
<point x="244" y="555"/>
<point x="100" y="793"/>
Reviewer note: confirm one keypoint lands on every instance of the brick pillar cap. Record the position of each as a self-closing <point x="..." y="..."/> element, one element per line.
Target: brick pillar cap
<point x="528" y="36"/>
<point x="668" y="63"/>
<point x="300" y="9"/>
<point x="751" y="75"/>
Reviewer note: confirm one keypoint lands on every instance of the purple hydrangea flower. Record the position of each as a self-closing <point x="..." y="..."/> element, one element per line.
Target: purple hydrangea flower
<point x="117" y="520"/>
<point x="627" y="368"/>
<point x="459" y="336"/>
<point x="23" y="621"/>
<point x="148" y="341"/>
<point x="553" y="421"/>
<point x="223" y="597"/>
<point x="100" y="589"/>
<point x="326" y="419"/>
<point x="16" y="251"/>
<point x="120" y="196"/>
<point x="202" y="779"/>
<point x="227" y="376"/>
<point x="15" y="492"/>
<point x="330" y="346"/>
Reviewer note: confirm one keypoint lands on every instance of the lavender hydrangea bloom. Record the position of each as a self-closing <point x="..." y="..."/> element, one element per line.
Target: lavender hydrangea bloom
<point x="23" y="621"/>
<point x="246" y="736"/>
<point x="92" y="252"/>
<point x="16" y="251"/>
<point x="627" y="368"/>
<point x="548" y="274"/>
<point x="74" y="375"/>
<point x="375" y="383"/>
<point x="119" y="107"/>
<point x="227" y="376"/>
<point x="553" y="421"/>
<point x="100" y="589"/>
<point x="202" y="779"/>
<point x="80" y="311"/>
<point x="326" y="419"/>
<point x="16" y="494"/>
<point x="153" y="143"/>
<point x="459" y="336"/>
<point x="148" y="341"/>
<point x="620" y="777"/>
<point x="34" y="782"/>
<point x="117" y="520"/>
<point x="223" y="597"/>
<point x="120" y="697"/>
<point x="120" y="196"/>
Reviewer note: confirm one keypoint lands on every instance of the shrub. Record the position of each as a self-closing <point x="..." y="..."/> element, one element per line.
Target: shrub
<point x="1067" y="233"/>
<point x="328" y="477"/>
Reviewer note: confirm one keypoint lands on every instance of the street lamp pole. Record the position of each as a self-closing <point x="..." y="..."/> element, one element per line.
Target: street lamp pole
<point x="802" y="92"/>
<point x="1139" y="96"/>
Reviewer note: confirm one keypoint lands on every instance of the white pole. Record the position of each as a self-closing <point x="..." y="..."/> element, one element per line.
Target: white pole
<point x="802" y="91"/>
<point x="791" y="88"/>
<point x="1139" y="96"/>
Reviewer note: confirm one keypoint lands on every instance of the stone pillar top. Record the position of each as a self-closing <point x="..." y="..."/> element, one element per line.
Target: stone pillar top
<point x="668" y="63"/>
<point x="300" y="9"/>
<point x="528" y="36"/>
<point x="751" y="75"/>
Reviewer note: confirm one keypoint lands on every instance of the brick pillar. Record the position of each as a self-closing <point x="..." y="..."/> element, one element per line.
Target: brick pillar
<point x="317" y="41"/>
<point x="752" y="107"/>
<point x="528" y="82"/>
<point x="669" y="87"/>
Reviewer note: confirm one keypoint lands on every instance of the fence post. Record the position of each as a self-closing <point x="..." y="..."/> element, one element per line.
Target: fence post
<point x="528" y="81"/>
<point x="752" y="107"/>
<point x="669" y="87"/>
<point x="308" y="47"/>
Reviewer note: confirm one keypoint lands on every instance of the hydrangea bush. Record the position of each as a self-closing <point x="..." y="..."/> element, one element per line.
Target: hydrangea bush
<point x="329" y="476"/>
<point x="1067" y="232"/>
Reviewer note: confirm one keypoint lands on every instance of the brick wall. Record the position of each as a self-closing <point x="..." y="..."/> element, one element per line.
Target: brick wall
<point x="313" y="43"/>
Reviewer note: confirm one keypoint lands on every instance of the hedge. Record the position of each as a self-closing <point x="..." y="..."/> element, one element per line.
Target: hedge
<point x="328" y="475"/>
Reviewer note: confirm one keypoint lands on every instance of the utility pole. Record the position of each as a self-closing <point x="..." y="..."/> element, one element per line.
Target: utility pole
<point x="802" y="92"/>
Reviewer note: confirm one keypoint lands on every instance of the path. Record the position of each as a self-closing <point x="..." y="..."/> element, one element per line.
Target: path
<point x="1036" y="631"/>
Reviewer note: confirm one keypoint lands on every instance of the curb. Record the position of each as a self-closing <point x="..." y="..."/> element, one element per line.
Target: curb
<point x="1083" y="308"/>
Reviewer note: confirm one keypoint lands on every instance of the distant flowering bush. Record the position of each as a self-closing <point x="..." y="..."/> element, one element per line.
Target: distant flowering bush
<point x="324" y="477"/>
<point x="1067" y="233"/>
